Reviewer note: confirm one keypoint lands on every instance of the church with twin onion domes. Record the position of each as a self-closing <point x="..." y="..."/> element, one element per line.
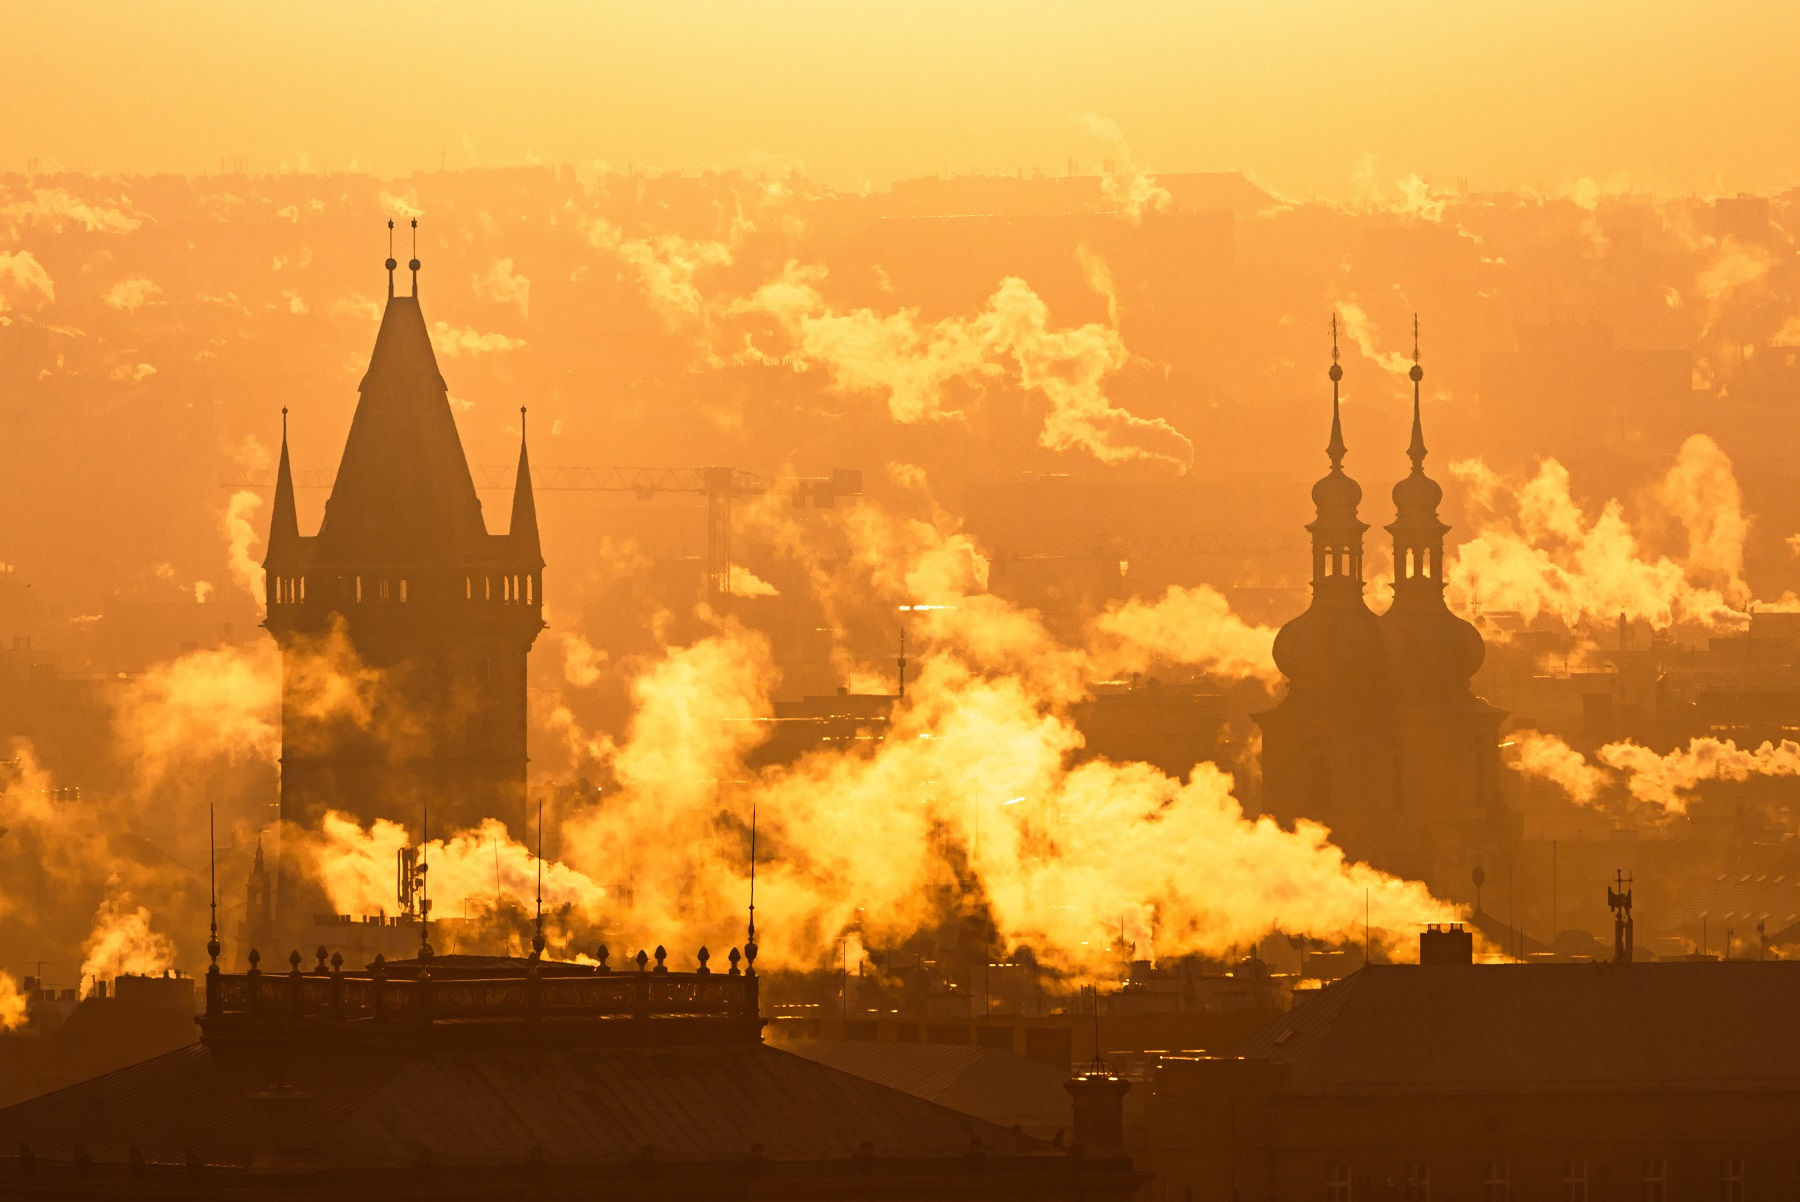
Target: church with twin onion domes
<point x="1380" y="736"/>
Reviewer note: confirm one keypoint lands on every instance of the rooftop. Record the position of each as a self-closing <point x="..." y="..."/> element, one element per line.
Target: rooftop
<point x="1505" y="1028"/>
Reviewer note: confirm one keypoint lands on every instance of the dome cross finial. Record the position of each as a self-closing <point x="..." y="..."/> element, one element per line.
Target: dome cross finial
<point x="391" y="264"/>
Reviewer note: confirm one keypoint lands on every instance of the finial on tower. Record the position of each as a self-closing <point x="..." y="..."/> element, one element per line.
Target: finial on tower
<point x="413" y="263"/>
<point x="391" y="264"/>
<point x="1416" y="450"/>
<point x="1336" y="448"/>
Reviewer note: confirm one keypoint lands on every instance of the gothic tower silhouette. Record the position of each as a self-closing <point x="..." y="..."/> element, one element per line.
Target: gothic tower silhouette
<point x="418" y="617"/>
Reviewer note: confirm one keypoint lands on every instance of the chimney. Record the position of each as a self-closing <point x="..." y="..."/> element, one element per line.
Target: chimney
<point x="1446" y="945"/>
<point x="1099" y="1110"/>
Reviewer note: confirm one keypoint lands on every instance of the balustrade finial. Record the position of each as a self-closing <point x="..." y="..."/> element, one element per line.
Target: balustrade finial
<point x="703" y="956"/>
<point x="661" y="955"/>
<point x="734" y="957"/>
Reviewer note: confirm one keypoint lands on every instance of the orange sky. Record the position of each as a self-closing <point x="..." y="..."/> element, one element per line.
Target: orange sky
<point x="1680" y="96"/>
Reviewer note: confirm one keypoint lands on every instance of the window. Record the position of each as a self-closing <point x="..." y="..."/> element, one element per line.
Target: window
<point x="403" y="590"/>
<point x="530" y="589"/>
<point x="1337" y="1183"/>
<point x="1655" y="1187"/>
<point x="303" y="588"/>
<point x="1495" y="1186"/>
<point x="1731" y="1179"/>
<point x="468" y="588"/>
<point x="1418" y="1181"/>
<point x="1574" y="1181"/>
<point x="359" y="588"/>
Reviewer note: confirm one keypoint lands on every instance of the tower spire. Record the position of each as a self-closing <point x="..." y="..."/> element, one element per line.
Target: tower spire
<point x="523" y="532"/>
<point x="1416" y="451"/>
<point x="413" y="263"/>
<point x="1336" y="448"/>
<point x="390" y="259"/>
<point x="283" y="522"/>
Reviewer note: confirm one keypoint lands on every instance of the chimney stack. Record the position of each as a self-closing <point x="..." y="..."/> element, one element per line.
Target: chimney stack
<point x="1099" y="1110"/>
<point x="1447" y="945"/>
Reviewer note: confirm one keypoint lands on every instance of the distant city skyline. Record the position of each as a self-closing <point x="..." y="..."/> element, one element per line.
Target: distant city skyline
<point x="1310" y="99"/>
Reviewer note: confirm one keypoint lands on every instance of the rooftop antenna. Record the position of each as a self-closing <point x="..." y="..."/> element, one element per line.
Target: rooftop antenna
<point x="425" y="882"/>
<point x="1618" y="898"/>
<point x="413" y="263"/>
<point x="537" y="940"/>
<point x="902" y="696"/>
<point x="212" y="859"/>
<point x="391" y="264"/>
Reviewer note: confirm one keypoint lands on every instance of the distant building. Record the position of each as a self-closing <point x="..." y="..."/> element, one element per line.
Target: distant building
<point x="444" y="612"/>
<point x="475" y="1077"/>
<point x="1379" y="735"/>
<point x="1458" y="1080"/>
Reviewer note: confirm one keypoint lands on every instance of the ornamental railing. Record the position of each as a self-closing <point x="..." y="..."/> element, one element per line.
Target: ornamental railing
<point x="411" y="993"/>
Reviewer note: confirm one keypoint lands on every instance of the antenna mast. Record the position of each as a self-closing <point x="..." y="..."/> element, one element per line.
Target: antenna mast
<point x="752" y="937"/>
<point x="212" y="860"/>
<point x="537" y="940"/>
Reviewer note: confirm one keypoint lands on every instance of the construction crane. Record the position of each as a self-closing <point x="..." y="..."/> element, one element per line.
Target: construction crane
<point x="720" y="485"/>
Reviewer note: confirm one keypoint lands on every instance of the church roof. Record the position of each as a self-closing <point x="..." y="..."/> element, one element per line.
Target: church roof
<point x="403" y="492"/>
<point x="1523" y="1028"/>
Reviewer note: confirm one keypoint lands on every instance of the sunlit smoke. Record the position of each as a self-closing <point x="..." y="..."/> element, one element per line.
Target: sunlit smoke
<point x="241" y="535"/>
<point x="1125" y="183"/>
<point x="1191" y="626"/>
<point x="1547" y="757"/>
<point x="474" y="867"/>
<point x="1663" y="784"/>
<point x="1536" y="551"/>
<point x="123" y="942"/>
<point x="13" y="1003"/>
<point x="918" y="365"/>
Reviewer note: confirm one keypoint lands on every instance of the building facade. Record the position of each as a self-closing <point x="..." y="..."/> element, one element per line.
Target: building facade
<point x="404" y="625"/>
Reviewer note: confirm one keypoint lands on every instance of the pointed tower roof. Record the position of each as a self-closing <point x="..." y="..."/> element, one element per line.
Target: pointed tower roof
<point x="523" y="532"/>
<point x="1417" y="497"/>
<point x="1336" y="495"/>
<point x="284" y="519"/>
<point x="403" y="492"/>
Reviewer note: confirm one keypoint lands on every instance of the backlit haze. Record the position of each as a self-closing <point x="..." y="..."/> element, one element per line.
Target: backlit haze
<point x="1057" y="279"/>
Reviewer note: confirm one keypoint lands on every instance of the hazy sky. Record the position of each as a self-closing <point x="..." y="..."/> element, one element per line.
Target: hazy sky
<point x="1684" y="96"/>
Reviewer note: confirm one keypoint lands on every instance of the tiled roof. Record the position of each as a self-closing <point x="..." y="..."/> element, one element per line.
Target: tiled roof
<point x="374" y="1106"/>
<point x="1542" y="1027"/>
<point x="992" y="1084"/>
